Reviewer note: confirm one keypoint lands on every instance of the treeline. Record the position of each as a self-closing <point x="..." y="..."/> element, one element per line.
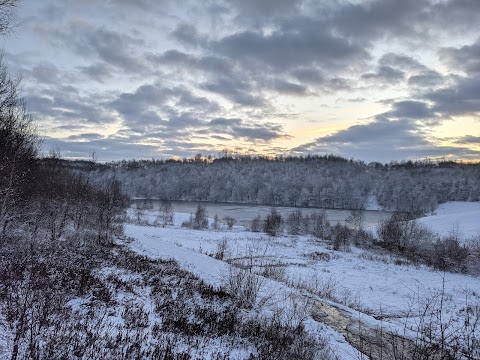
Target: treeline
<point x="311" y="181"/>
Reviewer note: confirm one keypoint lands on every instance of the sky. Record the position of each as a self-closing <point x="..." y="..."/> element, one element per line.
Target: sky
<point x="374" y="80"/>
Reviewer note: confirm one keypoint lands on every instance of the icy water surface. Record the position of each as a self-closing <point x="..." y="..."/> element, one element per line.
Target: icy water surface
<point x="245" y="213"/>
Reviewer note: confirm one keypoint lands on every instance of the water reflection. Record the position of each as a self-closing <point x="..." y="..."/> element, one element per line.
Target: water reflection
<point x="245" y="213"/>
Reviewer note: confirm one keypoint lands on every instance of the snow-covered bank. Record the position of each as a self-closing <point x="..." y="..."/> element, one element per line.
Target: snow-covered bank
<point x="190" y="248"/>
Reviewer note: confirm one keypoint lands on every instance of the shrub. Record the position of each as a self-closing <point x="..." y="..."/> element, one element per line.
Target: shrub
<point x="199" y="220"/>
<point x="230" y="221"/>
<point x="448" y="254"/>
<point x="243" y="284"/>
<point x="341" y="237"/>
<point x="273" y="223"/>
<point x="294" y="222"/>
<point x="256" y="224"/>
<point x="320" y="225"/>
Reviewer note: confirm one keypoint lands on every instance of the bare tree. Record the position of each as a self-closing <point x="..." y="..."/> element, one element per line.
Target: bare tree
<point x="165" y="213"/>
<point x="18" y="147"/>
<point x="200" y="220"/>
<point x="7" y="15"/>
<point x="355" y="219"/>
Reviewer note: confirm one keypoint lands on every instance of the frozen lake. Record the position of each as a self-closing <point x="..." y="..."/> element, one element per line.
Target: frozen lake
<point x="244" y="213"/>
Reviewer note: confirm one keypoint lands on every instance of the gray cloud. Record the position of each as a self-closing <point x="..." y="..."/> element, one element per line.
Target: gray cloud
<point x="309" y="75"/>
<point x="286" y="87"/>
<point x="239" y="92"/>
<point x="97" y="71"/>
<point x="408" y="109"/>
<point x="466" y="58"/>
<point x="154" y="105"/>
<point x="250" y="131"/>
<point x="265" y="8"/>
<point x="396" y="139"/>
<point x="301" y="44"/>
<point x="68" y="107"/>
<point x="459" y="99"/>
<point x="46" y="73"/>
<point x="85" y="137"/>
<point x="106" y="149"/>
<point x="111" y="47"/>
<point x="211" y="65"/>
<point x="404" y="62"/>
<point x="385" y="74"/>
<point x="416" y="20"/>
<point x="187" y="34"/>
<point x="468" y="139"/>
<point x="372" y="19"/>
<point x="426" y="79"/>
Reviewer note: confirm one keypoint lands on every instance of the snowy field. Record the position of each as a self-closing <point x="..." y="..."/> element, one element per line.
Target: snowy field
<point x="375" y="289"/>
<point x="455" y="217"/>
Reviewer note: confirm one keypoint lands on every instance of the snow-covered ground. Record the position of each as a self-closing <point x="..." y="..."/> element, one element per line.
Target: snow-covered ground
<point x="455" y="217"/>
<point x="367" y="285"/>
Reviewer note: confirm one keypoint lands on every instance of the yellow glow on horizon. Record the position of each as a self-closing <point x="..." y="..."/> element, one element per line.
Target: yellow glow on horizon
<point x="460" y="126"/>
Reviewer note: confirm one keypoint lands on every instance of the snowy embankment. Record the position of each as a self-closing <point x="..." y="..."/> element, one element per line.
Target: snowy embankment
<point x="455" y="218"/>
<point x="190" y="248"/>
<point x="379" y="290"/>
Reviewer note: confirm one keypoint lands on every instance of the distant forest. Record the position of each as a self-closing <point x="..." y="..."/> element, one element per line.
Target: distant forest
<point x="312" y="181"/>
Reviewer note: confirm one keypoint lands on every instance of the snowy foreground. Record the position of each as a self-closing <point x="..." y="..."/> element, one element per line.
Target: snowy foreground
<point x="375" y="290"/>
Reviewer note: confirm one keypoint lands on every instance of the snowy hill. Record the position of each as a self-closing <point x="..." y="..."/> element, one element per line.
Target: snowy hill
<point x="458" y="217"/>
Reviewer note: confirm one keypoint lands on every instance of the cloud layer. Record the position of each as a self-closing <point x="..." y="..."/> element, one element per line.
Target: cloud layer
<point x="142" y="79"/>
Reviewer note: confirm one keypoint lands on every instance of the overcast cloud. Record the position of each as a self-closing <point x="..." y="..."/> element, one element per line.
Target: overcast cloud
<point x="376" y="80"/>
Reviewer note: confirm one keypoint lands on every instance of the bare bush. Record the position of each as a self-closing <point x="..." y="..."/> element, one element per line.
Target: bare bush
<point x="294" y="222"/>
<point x="341" y="237"/>
<point x="256" y="224"/>
<point x="355" y="219"/>
<point x="320" y="225"/>
<point x="402" y="233"/>
<point x="230" y="221"/>
<point x="273" y="223"/>
<point x="222" y="248"/>
<point x="363" y="238"/>
<point x="473" y="260"/>
<point x="198" y="221"/>
<point x="275" y="271"/>
<point x="442" y="334"/>
<point x="448" y="254"/>
<point x="306" y="225"/>
<point x="216" y="222"/>
<point x="244" y="285"/>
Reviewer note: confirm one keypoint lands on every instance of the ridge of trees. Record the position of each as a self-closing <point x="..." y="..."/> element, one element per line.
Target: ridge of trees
<point x="312" y="181"/>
